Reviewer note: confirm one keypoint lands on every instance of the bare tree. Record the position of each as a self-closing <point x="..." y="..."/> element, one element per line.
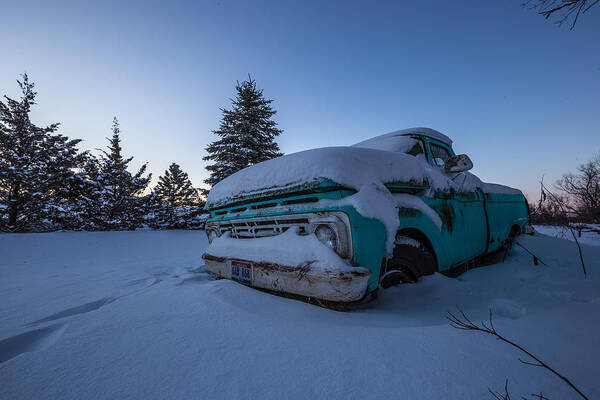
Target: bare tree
<point x="549" y="209"/>
<point x="563" y="217"/>
<point x="565" y="10"/>
<point x="576" y="201"/>
<point x="463" y="322"/>
<point x="583" y="188"/>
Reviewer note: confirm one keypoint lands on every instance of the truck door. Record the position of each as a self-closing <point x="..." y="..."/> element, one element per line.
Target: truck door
<point x="463" y="214"/>
<point x="471" y="222"/>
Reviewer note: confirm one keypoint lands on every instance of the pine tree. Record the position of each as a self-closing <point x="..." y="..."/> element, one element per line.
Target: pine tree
<point x="37" y="168"/>
<point x="177" y="200"/>
<point x="120" y="200"/>
<point x="91" y="202"/>
<point x="175" y="188"/>
<point x="247" y="134"/>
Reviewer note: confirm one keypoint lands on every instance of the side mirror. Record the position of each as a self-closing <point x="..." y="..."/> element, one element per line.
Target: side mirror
<point x="459" y="163"/>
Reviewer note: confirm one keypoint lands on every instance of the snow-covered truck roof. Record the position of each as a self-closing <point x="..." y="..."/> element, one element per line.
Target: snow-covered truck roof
<point x="400" y="140"/>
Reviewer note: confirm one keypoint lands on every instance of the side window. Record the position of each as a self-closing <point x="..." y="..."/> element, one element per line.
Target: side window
<point x="416" y="149"/>
<point x="439" y="153"/>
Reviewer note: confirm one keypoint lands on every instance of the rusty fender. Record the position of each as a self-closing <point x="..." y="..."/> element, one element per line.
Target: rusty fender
<point x="327" y="284"/>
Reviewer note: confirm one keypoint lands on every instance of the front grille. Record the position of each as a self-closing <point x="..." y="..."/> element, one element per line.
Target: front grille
<point x="304" y="224"/>
<point x="262" y="227"/>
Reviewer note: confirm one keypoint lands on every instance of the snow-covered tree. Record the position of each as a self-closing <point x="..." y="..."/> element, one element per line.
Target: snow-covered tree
<point x="91" y="202"/>
<point x="177" y="201"/>
<point x="175" y="187"/>
<point x="247" y="134"/>
<point x="119" y="193"/>
<point x="38" y="168"/>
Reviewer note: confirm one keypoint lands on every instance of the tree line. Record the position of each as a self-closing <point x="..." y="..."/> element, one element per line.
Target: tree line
<point x="47" y="183"/>
<point x="574" y="199"/>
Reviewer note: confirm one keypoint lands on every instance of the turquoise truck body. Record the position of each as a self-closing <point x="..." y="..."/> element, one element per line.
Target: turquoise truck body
<point x="474" y="223"/>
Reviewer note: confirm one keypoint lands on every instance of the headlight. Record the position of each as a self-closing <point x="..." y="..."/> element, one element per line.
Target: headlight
<point x="327" y="236"/>
<point x="212" y="234"/>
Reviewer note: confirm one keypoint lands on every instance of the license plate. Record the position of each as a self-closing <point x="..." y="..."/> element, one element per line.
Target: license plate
<point x="241" y="272"/>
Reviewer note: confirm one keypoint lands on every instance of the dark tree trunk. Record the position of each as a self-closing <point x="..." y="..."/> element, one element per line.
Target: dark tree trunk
<point x="13" y="208"/>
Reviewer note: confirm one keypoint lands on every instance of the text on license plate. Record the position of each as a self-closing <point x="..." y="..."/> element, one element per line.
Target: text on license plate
<point x="241" y="271"/>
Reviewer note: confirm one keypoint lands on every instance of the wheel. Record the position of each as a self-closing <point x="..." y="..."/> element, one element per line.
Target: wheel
<point x="508" y="243"/>
<point x="410" y="260"/>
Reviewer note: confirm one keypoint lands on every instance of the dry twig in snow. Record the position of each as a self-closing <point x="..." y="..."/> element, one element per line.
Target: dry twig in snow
<point x="463" y="322"/>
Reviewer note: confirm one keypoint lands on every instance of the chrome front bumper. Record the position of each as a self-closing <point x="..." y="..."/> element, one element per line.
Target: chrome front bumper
<point x="332" y="285"/>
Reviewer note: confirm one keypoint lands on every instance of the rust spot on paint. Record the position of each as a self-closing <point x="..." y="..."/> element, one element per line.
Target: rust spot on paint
<point x="210" y="257"/>
<point x="447" y="215"/>
<point x="300" y="272"/>
<point x="408" y="212"/>
<point x="360" y="274"/>
<point x="270" y="267"/>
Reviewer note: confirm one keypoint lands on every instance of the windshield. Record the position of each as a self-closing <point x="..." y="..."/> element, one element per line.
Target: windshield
<point x="399" y="144"/>
<point x="440" y="154"/>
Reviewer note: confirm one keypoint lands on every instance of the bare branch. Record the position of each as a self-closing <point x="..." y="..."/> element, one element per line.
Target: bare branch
<point x="463" y="322"/>
<point x="591" y="5"/>
<point x="534" y="364"/>
<point x="539" y="396"/>
<point x="498" y="396"/>
<point x="534" y="256"/>
<point x="506" y="395"/>
<point x="564" y="9"/>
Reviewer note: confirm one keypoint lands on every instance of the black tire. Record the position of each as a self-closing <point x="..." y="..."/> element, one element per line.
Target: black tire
<point x="514" y="232"/>
<point x="410" y="260"/>
<point x="508" y="243"/>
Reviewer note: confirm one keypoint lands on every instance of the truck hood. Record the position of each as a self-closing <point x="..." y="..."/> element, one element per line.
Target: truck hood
<point x="349" y="167"/>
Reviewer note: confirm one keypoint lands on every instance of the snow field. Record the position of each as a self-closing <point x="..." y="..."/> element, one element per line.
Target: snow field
<point x="587" y="237"/>
<point x="135" y="315"/>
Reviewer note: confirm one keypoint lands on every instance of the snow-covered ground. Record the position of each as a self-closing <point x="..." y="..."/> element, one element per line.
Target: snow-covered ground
<point x="587" y="236"/>
<point x="134" y="315"/>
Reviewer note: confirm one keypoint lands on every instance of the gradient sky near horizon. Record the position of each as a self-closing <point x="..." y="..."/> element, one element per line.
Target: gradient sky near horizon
<point x="517" y="93"/>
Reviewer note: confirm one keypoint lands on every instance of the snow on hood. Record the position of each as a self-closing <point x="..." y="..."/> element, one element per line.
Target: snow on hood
<point x="352" y="167"/>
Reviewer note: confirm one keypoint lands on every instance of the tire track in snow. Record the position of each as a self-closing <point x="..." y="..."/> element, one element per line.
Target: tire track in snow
<point x="34" y="340"/>
<point x="42" y="338"/>
<point x="197" y="275"/>
<point x="82" y="309"/>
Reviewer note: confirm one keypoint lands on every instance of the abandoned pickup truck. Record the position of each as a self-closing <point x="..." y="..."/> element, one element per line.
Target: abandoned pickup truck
<point x="339" y="223"/>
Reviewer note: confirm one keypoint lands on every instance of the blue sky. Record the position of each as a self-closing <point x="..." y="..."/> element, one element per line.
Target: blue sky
<point x="517" y="93"/>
